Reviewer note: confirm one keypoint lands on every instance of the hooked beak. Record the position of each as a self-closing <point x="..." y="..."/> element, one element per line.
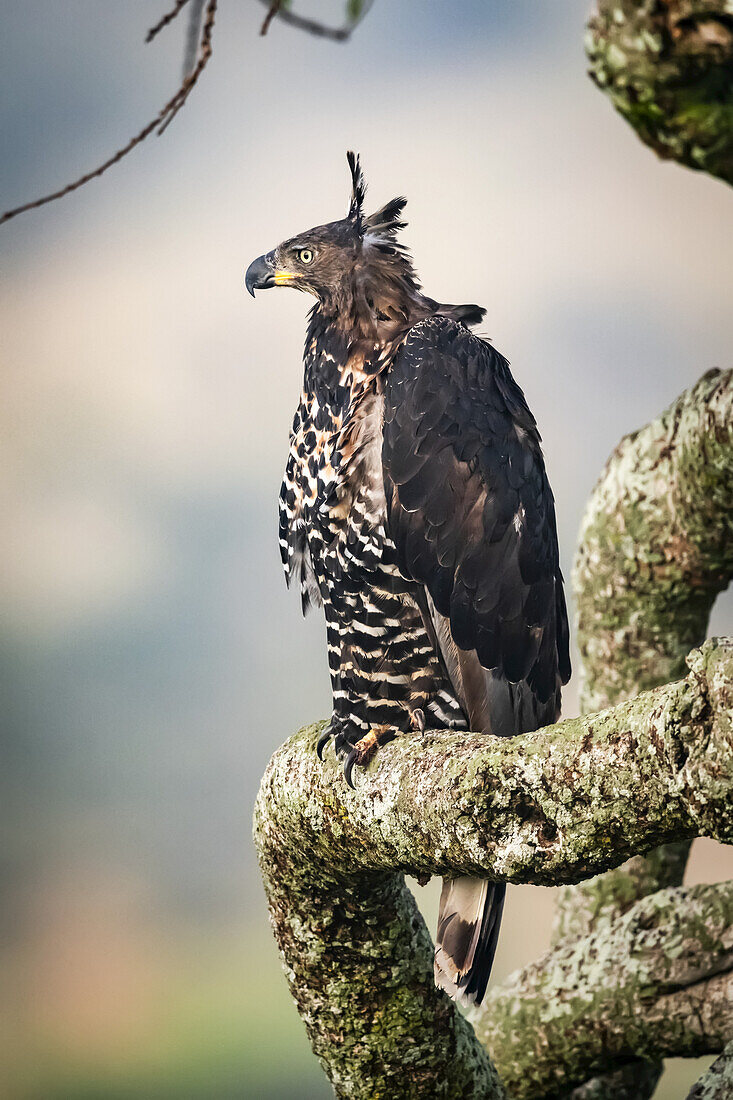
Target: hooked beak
<point x="260" y="273"/>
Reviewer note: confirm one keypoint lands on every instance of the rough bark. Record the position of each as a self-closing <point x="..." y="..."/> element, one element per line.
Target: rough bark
<point x="657" y="981"/>
<point x="551" y="807"/>
<point x="548" y="807"/>
<point x="667" y="67"/>
<point x="717" y="1083"/>
<point x="655" y="548"/>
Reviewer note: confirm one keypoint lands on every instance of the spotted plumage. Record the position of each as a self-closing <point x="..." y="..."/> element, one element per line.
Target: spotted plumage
<point x="416" y="509"/>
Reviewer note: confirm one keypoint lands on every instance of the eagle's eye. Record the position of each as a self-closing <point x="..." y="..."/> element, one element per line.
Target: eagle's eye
<point x="305" y="255"/>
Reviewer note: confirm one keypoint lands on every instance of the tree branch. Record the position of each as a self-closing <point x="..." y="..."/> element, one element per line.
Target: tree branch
<point x="656" y="545"/>
<point x="356" y="11"/>
<point x="667" y="67"/>
<point x="273" y="9"/>
<point x="202" y="55"/>
<point x="197" y="54"/>
<point x="164" y="20"/>
<point x="657" y="982"/>
<point x="655" y="549"/>
<point x="547" y="807"/>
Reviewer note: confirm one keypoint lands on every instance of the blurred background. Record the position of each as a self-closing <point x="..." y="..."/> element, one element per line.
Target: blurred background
<point x="151" y="657"/>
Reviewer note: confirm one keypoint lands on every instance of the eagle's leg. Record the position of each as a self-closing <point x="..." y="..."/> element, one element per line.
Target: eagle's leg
<point x="385" y="677"/>
<point x="417" y="719"/>
<point x="342" y="732"/>
<point x="365" y="748"/>
<point x="355" y="747"/>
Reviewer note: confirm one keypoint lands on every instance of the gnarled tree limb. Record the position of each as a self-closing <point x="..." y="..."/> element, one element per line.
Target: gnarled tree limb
<point x="656" y="547"/>
<point x="658" y="981"/>
<point x="547" y="807"/>
<point x="667" y="67"/>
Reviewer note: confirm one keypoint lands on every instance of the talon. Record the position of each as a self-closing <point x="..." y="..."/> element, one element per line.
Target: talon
<point x="341" y="732"/>
<point x="417" y="719"/>
<point x="349" y="762"/>
<point x="365" y="748"/>
<point x="323" y="741"/>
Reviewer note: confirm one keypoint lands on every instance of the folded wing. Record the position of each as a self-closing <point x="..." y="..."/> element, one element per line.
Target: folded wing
<point x="472" y="516"/>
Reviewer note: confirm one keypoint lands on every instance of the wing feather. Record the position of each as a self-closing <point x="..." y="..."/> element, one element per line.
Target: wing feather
<point x="472" y="515"/>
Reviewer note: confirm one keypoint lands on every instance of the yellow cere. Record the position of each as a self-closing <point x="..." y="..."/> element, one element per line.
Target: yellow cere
<point x="282" y="277"/>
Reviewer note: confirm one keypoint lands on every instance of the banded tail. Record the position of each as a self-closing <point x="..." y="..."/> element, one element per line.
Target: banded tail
<point x="469" y="919"/>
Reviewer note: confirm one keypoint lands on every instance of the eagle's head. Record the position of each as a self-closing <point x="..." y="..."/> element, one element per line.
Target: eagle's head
<point x="355" y="266"/>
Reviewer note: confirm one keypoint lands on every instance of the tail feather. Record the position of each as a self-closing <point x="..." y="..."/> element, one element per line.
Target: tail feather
<point x="468" y="930"/>
<point x="470" y="911"/>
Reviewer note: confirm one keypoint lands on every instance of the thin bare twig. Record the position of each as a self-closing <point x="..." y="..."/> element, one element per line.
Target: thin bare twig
<point x="167" y="18"/>
<point x="163" y="119"/>
<point x="274" y="9"/>
<point x="312" y="26"/>
<point x="197" y="55"/>
<point x="204" y="54"/>
<point x="193" y="37"/>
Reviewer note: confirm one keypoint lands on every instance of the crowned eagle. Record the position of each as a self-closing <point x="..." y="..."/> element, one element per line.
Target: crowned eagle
<point x="415" y="508"/>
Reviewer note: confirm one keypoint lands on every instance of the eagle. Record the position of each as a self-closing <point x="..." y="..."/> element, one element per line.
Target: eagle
<point x="416" y="509"/>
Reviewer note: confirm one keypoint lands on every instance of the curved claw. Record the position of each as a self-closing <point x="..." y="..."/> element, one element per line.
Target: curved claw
<point x="356" y="749"/>
<point x="364" y="749"/>
<point x="351" y="759"/>
<point x="323" y="741"/>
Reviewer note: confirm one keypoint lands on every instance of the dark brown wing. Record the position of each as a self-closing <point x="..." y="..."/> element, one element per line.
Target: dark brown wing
<point x="472" y="517"/>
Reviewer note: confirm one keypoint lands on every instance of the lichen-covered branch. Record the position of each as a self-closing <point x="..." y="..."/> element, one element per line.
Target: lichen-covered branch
<point x="656" y="546"/>
<point x="547" y="807"/>
<point x="656" y="982"/>
<point x="667" y="67"/>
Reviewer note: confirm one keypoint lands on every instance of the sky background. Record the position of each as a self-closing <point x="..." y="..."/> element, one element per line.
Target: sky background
<point x="151" y="656"/>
